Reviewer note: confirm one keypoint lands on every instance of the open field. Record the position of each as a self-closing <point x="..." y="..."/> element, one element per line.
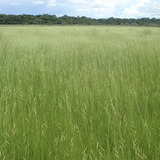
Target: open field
<point x="79" y="93"/>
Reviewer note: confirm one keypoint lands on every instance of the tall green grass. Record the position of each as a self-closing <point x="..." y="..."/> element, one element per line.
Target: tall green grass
<point x="79" y="93"/>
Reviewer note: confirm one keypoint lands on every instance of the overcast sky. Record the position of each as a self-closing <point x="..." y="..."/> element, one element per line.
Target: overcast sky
<point x="88" y="8"/>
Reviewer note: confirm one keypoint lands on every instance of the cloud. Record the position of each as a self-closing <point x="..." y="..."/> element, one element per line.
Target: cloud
<point x="144" y="8"/>
<point x="38" y="2"/>
<point x="51" y="3"/>
<point x="88" y="8"/>
<point x="78" y="1"/>
<point x="115" y="8"/>
<point x="94" y="8"/>
<point x="90" y="4"/>
<point x="15" y="3"/>
<point x="133" y="10"/>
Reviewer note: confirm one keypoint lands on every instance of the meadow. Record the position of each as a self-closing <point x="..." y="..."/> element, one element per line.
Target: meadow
<point x="79" y="93"/>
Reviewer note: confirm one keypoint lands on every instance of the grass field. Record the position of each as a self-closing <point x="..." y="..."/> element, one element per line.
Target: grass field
<point x="79" y="93"/>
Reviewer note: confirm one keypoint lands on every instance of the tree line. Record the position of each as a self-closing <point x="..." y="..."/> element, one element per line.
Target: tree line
<point x="47" y="19"/>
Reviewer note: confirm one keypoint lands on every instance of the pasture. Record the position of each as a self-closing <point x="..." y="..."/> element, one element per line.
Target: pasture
<point x="79" y="93"/>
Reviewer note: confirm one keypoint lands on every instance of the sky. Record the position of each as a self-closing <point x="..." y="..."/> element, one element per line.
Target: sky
<point x="88" y="8"/>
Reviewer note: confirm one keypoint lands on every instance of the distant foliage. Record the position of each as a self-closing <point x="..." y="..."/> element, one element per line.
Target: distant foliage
<point x="68" y="20"/>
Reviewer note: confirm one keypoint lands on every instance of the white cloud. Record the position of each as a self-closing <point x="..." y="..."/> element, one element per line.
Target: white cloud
<point x="88" y="8"/>
<point x="91" y="4"/>
<point x="94" y="8"/>
<point x="38" y="2"/>
<point x="51" y="3"/>
<point x="78" y="1"/>
<point x="144" y="8"/>
<point x="15" y="3"/>
<point x="116" y="8"/>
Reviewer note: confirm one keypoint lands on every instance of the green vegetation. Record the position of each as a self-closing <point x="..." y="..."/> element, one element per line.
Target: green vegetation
<point x="79" y="93"/>
<point x="47" y="19"/>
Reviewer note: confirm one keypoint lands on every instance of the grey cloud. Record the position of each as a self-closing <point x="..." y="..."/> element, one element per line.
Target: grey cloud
<point x="152" y="8"/>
